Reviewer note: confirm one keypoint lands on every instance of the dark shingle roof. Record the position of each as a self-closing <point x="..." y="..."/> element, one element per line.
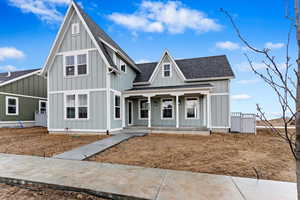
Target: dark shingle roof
<point x="100" y="33"/>
<point x="193" y="68"/>
<point x="173" y="87"/>
<point x="16" y="74"/>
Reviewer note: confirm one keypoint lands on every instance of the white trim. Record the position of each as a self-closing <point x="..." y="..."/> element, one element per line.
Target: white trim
<point x="208" y="120"/>
<point x="209" y="79"/>
<point x="20" y="77"/>
<point x="129" y="101"/>
<point x="43" y="101"/>
<point x="167" y="91"/>
<point x="161" y="108"/>
<point x="80" y="90"/>
<point x="177" y="111"/>
<point x="229" y="106"/>
<point x="149" y="111"/>
<point x="115" y="129"/>
<point x="197" y="108"/>
<point x="123" y="108"/>
<point x="204" y="109"/>
<point x="76" y="93"/>
<point x="155" y="71"/>
<point x="221" y="93"/>
<point x="163" y="70"/>
<point x="21" y="95"/>
<point x="116" y="91"/>
<point x="6" y="106"/>
<point x="108" y="108"/>
<point x="123" y="63"/>
<point x="139" y="109"/>
<point x="219" y="127"/>
<point x="77" y="130"/>
<point x="74" y="52"/>
<point x="115" y="106"/>
<point x="48" y="104"/>
<point x="10" y="122"/>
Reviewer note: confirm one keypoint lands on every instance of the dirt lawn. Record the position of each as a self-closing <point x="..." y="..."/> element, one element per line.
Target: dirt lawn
<point x="8" y="192"/>
<point x="37" y="142"/>
<point x="231" y="154"/>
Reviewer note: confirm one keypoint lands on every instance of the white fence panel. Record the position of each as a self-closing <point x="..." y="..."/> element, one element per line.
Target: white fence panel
<point x="243" y="123"/>
<point x="41" y="119"/>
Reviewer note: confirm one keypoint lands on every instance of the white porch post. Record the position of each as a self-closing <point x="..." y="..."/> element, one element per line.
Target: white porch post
<point x="123" y="110"/>
<point x="177" y="111"/>
<point x="208" y="120"/>
<point x="149" y="111"/>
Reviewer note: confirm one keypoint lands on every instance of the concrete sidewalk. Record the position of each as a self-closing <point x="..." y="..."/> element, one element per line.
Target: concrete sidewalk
<point x="89" y="150"/>
<point x="131" y="182"/>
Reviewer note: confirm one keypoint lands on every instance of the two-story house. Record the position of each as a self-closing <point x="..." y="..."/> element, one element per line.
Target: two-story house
<point x="95" y="87"/>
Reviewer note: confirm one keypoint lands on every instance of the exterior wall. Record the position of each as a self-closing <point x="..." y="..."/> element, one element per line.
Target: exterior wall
<point x="27" y="108"/>
<point x="97" y="113"/>
<point x="115" y="123"/>
<point x="76" y="42"/>
<point x="220" y="111"/>
<point x="123" y="81"/>
<point x="32" y="86"/>
<point x="159" y="80"/>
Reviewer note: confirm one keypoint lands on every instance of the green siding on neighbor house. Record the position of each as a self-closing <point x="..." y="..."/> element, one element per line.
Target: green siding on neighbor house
<point x="32" y="86"/>
<point x="76" y="42"/>
<point x="27" y="108"/>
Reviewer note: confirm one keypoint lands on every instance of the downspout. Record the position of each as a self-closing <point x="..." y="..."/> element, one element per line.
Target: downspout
<point x="108" y="108"/>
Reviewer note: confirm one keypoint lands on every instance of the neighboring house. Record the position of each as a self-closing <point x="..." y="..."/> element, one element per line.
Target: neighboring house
<point x="94" y="86"/>
<point x="22" y="93"/>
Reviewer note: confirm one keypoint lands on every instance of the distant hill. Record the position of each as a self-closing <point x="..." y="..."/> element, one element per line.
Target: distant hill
<point x="275" y="122"/>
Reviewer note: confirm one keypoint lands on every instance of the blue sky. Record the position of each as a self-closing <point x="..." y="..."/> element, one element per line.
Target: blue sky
<point x="145" y="28"/>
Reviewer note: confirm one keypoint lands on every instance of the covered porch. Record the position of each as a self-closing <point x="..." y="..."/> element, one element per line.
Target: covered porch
<point x="180" y="108"/>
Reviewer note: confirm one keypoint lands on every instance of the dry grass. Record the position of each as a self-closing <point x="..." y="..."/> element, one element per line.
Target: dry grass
<point x="8" y="192"/>
<point x="37" y="142"/>
<point x="227" y="154"/>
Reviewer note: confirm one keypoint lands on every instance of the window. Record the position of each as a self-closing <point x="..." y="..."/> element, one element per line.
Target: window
<point x="117" y="107"/>
<point x="191" y="107"/>
<point x="82" y="106"/>
<point x="70" y="66"/>
<point x="75" y="28"/>
<point x="81" y="64"/>
<point x="167" y="70"/>
<point x="42" y="106"/>
<point x="143" y="105"/>
<point x="76" y="106"/>
<point x="12" y="106"/>
<point x="122" y="66"/>
<point x="167" y="109"/>
<point x="76" y="64"/>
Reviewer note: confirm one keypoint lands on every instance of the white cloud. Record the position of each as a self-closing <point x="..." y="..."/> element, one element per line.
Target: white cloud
<point x="171" y="16"/>
<point x="8" y="68"/>
<point x="227" y="45"/>
<point x="10" y="52"/>
<point x="46" y="10"/>
<point x="142" y="61"/>
<point x="241" y="97"/>
<point x="250" y="81"/>
<point x="270" y="45"/>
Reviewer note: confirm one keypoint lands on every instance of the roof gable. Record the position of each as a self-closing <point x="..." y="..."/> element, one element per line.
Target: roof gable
<point x="5" y="78"/>
<point x="202" y="68"/>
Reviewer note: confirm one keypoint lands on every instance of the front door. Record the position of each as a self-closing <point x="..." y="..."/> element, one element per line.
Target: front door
<point x="130" y="112"/>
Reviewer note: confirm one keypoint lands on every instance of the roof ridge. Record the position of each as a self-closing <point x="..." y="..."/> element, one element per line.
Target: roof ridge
<point x="200" y="57"/>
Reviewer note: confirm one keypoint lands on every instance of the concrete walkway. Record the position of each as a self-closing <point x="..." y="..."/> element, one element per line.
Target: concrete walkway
<point x="131" y="182"/>
<point x="89" y="150"/>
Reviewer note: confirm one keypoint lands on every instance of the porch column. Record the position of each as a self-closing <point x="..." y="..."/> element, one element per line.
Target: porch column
<point x="177" y="111"/>
<point x="208" y="111"/>
<point x="149" y="111"/>
<point x="123" y="110"/>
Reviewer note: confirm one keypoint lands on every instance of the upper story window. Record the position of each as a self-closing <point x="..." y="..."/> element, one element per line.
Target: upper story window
<point x="123" y="66"/>
<point x="75" y="28"/>
<point x="76" y="64"/>
<point x="166" y="70"/>
<point x="12" y="106"/>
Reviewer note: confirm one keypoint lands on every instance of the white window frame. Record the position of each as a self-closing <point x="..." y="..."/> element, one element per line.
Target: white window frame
<point x="197" y="108"/>
<point x="43" y="101"/>
<point x="161" y="109"/>
<point x="117" y="106"/>
<point x="75" y="54"/>
<point x="139" y="106"/>
<point x="123" y="63"/>
<point x="76" y="105"/>
<point x="77" y="27"/>
<point x="6" y="105"/>
<point x="163" y="70"/>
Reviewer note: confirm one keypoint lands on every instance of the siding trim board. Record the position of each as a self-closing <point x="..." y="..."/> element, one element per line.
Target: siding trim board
<point x="21" y="95"/>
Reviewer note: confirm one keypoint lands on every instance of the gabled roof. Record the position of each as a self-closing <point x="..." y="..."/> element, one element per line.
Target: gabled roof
<point x="16" y="75"/>
<point x="193" y="68"/>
